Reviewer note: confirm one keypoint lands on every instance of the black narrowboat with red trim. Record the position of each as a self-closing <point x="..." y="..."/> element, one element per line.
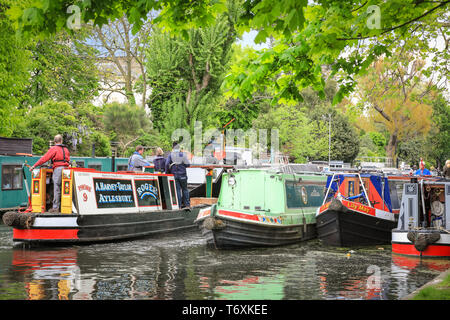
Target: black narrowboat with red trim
<point x="359" y="209"/>
<point x="423" y="228"/>
<point x="100" y="206"/>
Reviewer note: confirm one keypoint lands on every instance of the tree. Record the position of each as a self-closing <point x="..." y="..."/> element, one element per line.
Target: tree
<point x="79" y="126"/>
<point x="45" y="121"/>
<point x="125" y="124"/>
<point x="397" y="95"/>
<point x="439" y="138"/>
<point x="348" y="36"/>
<point x="122" y="57"/>
<point x="63" y="69"/>
<point x="335" y="35"/>
<point x="14" y="66"/>
<point x="304" y="135"/>
<point x="186" y="74"/>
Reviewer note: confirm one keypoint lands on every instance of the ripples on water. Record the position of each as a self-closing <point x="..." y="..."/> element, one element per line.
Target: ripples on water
<point x="182" y="267"/>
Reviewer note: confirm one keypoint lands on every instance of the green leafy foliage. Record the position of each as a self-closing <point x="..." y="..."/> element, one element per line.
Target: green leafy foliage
<point x="308" y="35"/>
<point x="14" y="66"/>
<point x="186" y="73"/>
<point x="125" y="124"/>
<point x="63" y="69"/>
<point x="45" y="121"/>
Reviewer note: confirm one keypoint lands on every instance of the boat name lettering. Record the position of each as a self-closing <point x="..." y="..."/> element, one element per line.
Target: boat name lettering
<point x="115" y="199"/>
<point x="358" y="207"/>
<point x="147" y="187"/>
<point x="84" y="187"/>
<point x="111" y="193"/>
<point x="100" y="186"/>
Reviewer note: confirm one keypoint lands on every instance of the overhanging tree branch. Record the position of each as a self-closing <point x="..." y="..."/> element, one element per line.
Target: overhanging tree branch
<point x="399" y="26"/>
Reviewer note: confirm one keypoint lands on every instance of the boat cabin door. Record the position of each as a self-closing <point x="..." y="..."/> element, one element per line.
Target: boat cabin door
<point x="169" y="200"/>
<point x="41" y="181"/>
<point x="42" y="190"/>
<point x="350" y="187"/>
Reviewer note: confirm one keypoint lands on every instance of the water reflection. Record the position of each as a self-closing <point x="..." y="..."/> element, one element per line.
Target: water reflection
<point x="181" y="267"/>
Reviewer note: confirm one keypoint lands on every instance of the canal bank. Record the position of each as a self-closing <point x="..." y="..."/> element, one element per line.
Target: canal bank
<point x="436" y="289"/>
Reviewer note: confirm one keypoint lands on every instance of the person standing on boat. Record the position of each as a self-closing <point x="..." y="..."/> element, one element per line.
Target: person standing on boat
<point x="176" y="164"/>
<point x="136" y="161"/>
<point x="159" y="161"/>
<point x="422" y="170"/>
<point x="60" y="156"/>
<point x="447" y="169"/>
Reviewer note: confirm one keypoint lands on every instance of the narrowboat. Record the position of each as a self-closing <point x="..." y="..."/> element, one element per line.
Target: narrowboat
<point x="14" y="180"/>
<point x="100" y="206"/>
<point x="423" y="228"/>
<point x="359" y="209"/>
<point x="262" y="207"/>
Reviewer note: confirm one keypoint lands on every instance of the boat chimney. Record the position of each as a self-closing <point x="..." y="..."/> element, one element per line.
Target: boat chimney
<point x="114" y="153"/>
<point x="409" y="209"/>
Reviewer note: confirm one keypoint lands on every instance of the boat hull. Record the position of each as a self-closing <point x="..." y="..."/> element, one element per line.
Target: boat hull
<point x="338" y="225"/>
<point x="70" y="228"/>
<point x="402" y="245"/>
<point x="223" y="232"/>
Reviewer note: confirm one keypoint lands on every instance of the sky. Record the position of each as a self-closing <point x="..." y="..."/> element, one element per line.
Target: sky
<point x="248" y="40"/>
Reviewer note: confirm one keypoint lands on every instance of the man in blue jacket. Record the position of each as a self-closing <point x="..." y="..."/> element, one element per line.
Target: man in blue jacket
<point x="176" y="164"/>
<point x="136" y="161"/>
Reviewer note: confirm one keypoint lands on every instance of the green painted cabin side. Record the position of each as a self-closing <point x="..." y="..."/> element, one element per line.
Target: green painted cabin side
<point x="294" y="197"/>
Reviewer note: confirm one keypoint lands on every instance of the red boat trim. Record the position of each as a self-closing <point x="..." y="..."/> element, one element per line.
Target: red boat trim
<point x="358" y="207"/>
<point x="354" y="206"/>
<point x="45" y="234"/>
<point x="324" y="207"/>
<point x="239" y="215"/>
<point x="430" y="251"/>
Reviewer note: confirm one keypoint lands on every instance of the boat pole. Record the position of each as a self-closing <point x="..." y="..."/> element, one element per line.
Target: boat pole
<point x="328" y="189"/>
<point x="209" y="182"/>
<point x="364" y="189"/>
<point x="26" y="183"/>
<point x="423" y="206"/>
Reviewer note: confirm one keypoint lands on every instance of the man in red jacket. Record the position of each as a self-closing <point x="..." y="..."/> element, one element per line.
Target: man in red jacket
<point x="60" y="157"/>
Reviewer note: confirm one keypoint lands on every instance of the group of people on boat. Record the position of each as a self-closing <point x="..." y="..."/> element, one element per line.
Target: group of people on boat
<point x="423" y="171"/>
<point x="176" y="164"/>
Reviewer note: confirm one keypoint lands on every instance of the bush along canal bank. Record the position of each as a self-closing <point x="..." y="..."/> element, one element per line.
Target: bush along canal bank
<point x="437" y="289"/>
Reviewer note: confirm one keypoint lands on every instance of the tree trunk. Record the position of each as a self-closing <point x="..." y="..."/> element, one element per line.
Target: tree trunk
<point x="391" y="148"/>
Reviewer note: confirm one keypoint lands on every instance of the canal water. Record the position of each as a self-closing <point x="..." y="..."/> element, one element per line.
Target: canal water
<point x="180" y="266"/>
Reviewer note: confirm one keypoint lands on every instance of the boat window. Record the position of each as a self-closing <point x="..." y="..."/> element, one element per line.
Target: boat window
<point x="396" y="191"/>
<point x="12" y="177"/>
<point x="294" y="194"/>
<point x="80" y="164"/>
<point x="122" y="167"/>
<point x="97" y="167"/>
<point x="351" y="188"/>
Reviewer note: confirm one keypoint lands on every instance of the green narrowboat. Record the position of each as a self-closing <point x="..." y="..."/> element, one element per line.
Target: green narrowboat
<point x="263" y="207"/>
<point x="14" y="184"/>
